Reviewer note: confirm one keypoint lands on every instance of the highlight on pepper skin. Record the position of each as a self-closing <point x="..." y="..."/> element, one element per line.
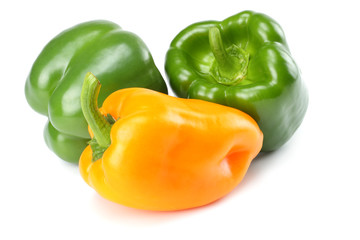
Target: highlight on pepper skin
<point x="164" y="153"/>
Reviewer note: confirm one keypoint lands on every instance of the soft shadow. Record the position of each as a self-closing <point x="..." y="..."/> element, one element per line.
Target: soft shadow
<point x="71" y="167"/>
<point x="133" y="216"/>
<point x="259" y="165"/>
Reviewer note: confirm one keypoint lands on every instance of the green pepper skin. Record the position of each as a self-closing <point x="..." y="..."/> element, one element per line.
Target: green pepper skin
<point x="269" y="88"/>
<point x="119" y="58"/>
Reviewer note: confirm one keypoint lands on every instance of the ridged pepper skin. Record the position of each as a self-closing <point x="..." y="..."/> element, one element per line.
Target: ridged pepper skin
<point x="242" y="62"/>
<point x="170" y="153"/>
<point x="53" y="86"/>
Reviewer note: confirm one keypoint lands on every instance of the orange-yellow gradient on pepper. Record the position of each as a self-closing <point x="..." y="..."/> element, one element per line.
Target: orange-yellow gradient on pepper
<point x="167" y="153"/>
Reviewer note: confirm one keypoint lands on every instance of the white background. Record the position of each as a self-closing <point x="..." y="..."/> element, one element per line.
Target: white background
<point x="309" y="189"/>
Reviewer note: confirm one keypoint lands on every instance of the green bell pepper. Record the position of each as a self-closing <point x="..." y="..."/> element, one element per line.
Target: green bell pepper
<point x="119" y="58"/>
<point x="242" y="62"/>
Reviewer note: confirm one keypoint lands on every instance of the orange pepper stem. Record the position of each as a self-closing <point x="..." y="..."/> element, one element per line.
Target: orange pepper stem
<point x="89" y="105"/>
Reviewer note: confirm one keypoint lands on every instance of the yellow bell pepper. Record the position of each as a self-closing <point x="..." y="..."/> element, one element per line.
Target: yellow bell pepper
<point x="157" y="152"/>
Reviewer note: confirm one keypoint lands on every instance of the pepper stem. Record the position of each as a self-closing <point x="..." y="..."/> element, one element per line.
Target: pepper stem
<point x="230" y="65"/>
<point x="89" y="104"/>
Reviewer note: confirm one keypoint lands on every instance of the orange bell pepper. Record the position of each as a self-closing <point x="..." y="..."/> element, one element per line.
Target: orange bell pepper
<point x="164" y="153"/>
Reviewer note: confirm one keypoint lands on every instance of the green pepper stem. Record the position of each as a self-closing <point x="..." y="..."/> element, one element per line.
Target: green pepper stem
<point x="231" y="63"/>
<point x="89" y="105"/>
<point x="225" y="62"/>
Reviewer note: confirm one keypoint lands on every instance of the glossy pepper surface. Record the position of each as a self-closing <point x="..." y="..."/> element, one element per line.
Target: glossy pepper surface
<point x="242" y="62"/>
<point x="164" y="153"/>
<point x="53" y="86"/>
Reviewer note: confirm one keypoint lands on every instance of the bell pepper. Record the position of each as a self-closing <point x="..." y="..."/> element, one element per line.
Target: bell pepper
<point x="53" y="86"/>
<point x="242" y="62"/>
<point x="157" y="152"/>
